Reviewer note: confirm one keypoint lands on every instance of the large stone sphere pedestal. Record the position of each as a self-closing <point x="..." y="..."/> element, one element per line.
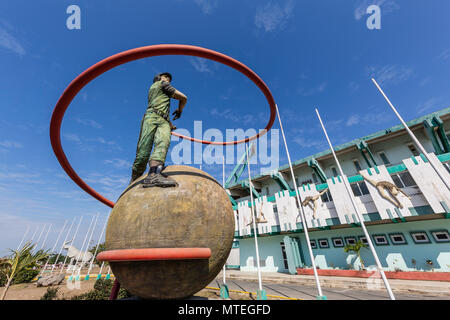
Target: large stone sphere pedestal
<point x="196" y="214"/>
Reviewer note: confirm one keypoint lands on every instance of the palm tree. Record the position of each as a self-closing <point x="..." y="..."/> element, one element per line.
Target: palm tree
<point x="20" y="260"/>
<point x="356" y="248"/>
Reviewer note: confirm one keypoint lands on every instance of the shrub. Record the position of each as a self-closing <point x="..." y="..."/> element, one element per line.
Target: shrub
<point x="102" y="291"/>
<point x="25" y="276"/>
<point x="50" y="294"/>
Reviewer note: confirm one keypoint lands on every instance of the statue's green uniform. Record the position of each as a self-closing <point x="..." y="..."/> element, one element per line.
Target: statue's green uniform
<point x="155" y="127"/>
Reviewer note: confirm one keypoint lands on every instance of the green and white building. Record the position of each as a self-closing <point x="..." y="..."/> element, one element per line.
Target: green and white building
<point x="413" y="238"/>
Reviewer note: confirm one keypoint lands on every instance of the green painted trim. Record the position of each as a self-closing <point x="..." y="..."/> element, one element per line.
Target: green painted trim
<point x="422" y="210"/>
<point x="391" y="216"/>
<point x="440" y="132"/>
<point x="261" y="294"/>
<point x="430" y="130"/>
<point x="317" y="169"/>
<point x="276" y="229"/>
<point x="446" y="209"/>
<point x="369" y="171"/>
<point x="397" y="168"/>
<point x="279" y="179"/>
<point x="321" y="298"/>
<point x="320" y="187"/>
<point x="357" y="178"/>
<point x="339" y="178"/>
<point x="444" y="157"/>
<point x="376" y="170"/>
<point x="415" y="160"/>
<point x="397" y="211"/>
<point x="224" y="292"/>
<point x="423" y="158"/>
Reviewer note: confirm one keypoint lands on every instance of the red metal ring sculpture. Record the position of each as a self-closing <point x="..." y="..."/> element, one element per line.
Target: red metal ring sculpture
<point x="130" y="55"/>
<point x="148" y="254"/>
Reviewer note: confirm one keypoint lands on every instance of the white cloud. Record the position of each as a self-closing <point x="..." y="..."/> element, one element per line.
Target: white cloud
<point x="444" y="54"/>
<point x="200" y="65"/>
<point x="311" y="91"/>
<point x="118" y="163"/>
<point x="72" y="137"/>
<point x="353" y="86"/>
<point x="89" y="122"/>
<point x="428" y="105"/>
<point x="354" y="119"/>
<point x="8" y="42"/>
<point x="207" y="6"/>
<point x="272" y="16"/>
<point x="10" y="144"/>
<point x="386" y="6"/>
<point x="309" y="143"/>
<point x="389" y="74"/>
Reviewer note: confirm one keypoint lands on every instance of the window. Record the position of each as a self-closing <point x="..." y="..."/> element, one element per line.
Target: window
<point x="397" y="238"/>
<point x="359" y="188"/>
<point x="350" y="240"/>
<point x="313" y="244"/>
<point x="283" y="252"/>
<point x="441" y="236"/>
<point x="338" y="242"/>
<point x="420" y="237"/>
<point x="323" y="243"/>
<point x="275" y="209"/>
<point x="333" y="169"/>
<point x="314" y="177"/>
<point x="356" y="164"/>
<point x="363" y="239"/>
<point x="267" y="191"/>
<point x="326" y="197"/>
<point x="384" y="158"/>
<point x="403" y="179"/>
<point x="413" y="149"/>
<point x="380" y="240"/>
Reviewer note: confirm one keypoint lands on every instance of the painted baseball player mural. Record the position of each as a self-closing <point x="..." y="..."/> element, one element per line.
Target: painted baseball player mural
<point x="154" y="137"/>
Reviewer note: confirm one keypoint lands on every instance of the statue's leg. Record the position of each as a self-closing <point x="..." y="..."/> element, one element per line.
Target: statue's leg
<point x="315" y="209"/>
<point x="161" y="146"/>
<point x="144" y="147"/>
<point x="385" y="196"/>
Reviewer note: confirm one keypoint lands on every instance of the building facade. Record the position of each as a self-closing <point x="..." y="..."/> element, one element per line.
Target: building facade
<point x="410" y="230"/>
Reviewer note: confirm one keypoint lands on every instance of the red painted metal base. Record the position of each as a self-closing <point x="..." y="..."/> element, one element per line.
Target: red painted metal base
<point x="149" y="254"/>
<point x="115" y="290"/>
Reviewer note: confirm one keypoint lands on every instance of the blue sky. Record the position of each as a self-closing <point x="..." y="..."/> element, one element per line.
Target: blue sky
<point x="309" y="53"/>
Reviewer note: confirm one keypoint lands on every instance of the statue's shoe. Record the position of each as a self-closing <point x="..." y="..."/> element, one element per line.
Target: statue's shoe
<point x="158" y="180"/>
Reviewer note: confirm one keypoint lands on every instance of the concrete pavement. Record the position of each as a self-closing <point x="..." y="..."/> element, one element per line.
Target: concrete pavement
<point x="292" y="285"/>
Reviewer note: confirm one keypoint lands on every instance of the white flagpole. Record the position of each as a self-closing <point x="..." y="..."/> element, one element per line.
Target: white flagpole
<point x="223" y="185"/>
<point x="23" y="238"/>
<point x="34" y="234"/>
<point x="413" y="137"/>
<point x="98" y="243"/>
<point x="45" y="240"/>
<point x="40" y="235"/>
<point x="100" y="272"/>
<point x="54" y="246"/>
<point x="302" y="213"/>
<point x="73" y="239"/>
<point x="87" y="245"/>
<point x="254" y="221"/>
<point x="60" y="250"/>
<point x="82" y="246"/>
<point x="360" y="217"/>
